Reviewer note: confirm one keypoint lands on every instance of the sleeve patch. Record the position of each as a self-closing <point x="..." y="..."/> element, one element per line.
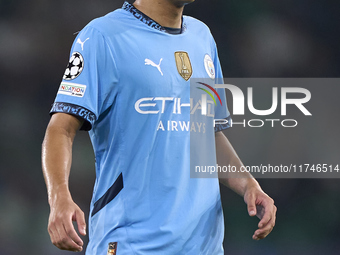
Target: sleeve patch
<point x="75" y="66"/>
<point x="72" y="89"/>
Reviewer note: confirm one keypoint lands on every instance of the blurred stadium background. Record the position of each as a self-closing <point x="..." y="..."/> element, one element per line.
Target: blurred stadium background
<point x="255" y="38"/>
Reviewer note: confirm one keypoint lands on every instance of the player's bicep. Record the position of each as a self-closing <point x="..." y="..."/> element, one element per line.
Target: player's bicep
<point x="65" y="123"/>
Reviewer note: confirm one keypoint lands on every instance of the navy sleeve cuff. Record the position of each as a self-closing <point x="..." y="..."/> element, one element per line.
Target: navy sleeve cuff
<point x="75" y="110"/>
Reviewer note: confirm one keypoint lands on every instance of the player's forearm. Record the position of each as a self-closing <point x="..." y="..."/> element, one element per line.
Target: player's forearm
<point x="56" y="161"/>
<point x="227" y="156"/>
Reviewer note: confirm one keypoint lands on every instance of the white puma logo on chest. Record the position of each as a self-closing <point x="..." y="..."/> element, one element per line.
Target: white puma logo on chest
<point x="151" y="63"/>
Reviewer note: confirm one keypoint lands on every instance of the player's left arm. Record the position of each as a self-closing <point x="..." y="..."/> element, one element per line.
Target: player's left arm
<point x="244" y="184"/>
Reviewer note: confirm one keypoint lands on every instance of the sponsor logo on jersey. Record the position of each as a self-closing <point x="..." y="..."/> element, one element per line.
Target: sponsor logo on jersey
<point x="178" y="106"/>
<point x="156" y="105"/>
<point x="72" y="89"/>
<point x="209" y="66"/>
<point x="112" y="250"/>
<point x="183" y="64"/>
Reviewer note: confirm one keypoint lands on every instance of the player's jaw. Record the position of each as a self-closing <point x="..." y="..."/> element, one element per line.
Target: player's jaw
<point x="180" y="3"/>
<point x="175" y="3"/>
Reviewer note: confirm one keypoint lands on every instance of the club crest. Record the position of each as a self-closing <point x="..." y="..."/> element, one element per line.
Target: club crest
<point x="209" y="66"/>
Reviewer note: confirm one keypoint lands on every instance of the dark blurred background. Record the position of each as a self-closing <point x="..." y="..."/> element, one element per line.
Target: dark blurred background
<point x="255" y="38"/>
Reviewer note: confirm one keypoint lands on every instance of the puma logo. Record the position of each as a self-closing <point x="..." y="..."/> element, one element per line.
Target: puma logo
<point x="82" y="43"/>
<point x="150" y="62"/>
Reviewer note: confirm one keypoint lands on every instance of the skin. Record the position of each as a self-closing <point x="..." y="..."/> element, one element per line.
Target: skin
<point x="57" y="160"/>
<point x="258" y="202"/>
<point x="167" y="13"/>
<point x="56" y="164"/>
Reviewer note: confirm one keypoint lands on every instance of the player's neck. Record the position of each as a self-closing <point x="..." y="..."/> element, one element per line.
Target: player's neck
<point x="163" y="12"/>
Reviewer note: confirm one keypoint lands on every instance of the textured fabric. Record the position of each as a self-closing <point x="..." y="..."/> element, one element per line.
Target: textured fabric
<point x="123" y="74"/>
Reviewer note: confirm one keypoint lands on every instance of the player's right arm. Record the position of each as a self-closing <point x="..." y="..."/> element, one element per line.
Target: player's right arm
<point x="56" y="164"/>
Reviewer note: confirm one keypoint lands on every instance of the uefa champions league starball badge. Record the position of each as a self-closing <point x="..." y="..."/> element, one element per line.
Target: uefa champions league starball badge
<point x="75" y="66"/>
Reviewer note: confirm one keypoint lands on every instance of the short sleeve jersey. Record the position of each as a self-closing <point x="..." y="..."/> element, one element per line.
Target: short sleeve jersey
<point x="130" y="81"/>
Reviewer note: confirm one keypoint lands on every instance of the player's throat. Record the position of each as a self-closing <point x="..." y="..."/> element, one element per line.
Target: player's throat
<point x="166" y="13"/>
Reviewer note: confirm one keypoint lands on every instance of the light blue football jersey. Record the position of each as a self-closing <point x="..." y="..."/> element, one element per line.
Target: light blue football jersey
<point x="132" y="83"/>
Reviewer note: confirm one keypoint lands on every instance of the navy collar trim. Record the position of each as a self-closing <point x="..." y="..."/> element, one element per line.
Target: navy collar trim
<point x="146" y="19"/>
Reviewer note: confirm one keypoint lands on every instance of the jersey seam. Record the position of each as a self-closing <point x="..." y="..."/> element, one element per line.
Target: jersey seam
<point x="112" y="51"/>
<point x="121" y="131"/>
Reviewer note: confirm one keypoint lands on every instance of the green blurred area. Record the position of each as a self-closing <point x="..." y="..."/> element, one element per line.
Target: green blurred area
<point x="255" y="39"/>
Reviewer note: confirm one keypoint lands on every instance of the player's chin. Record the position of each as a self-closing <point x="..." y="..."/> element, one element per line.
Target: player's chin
<point x="181" y="3"/>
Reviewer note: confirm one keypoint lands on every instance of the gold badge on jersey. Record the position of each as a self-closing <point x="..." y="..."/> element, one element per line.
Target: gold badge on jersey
<point x="183" y="64"/>
<point x="112" y="248"/>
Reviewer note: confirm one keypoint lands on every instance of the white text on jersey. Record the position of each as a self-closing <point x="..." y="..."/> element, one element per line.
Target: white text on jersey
<point x="155" y="105"/>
